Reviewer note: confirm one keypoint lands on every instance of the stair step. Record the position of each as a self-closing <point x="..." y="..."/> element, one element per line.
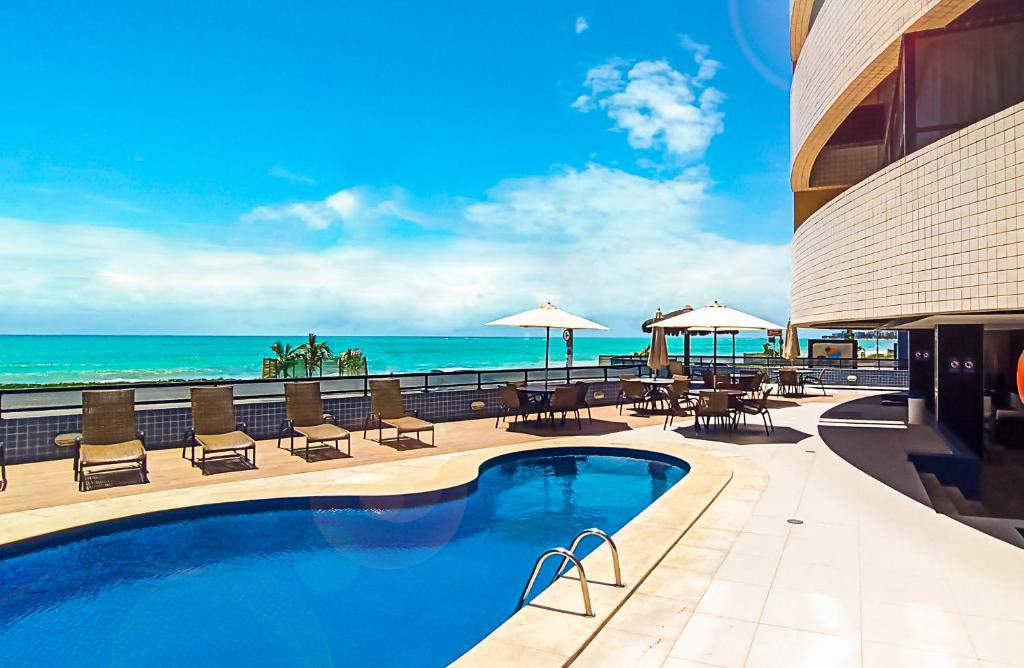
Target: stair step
<point x="941" y="502"/>
<point x="964" y="505"/>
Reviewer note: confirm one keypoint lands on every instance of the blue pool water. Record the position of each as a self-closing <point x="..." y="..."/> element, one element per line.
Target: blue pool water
<point x="410" y="582"/>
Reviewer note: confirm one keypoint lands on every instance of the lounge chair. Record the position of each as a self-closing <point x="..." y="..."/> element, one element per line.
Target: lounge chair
<point x="680" y="400"/>
<point x="565" y="401"/>
<point x="389" y="411"/>
<point x="214" y="429"/>
<point x="758" y="407"/>
<point x="713" y="406"/>
<point x="109" y="439"/>
<point x="632" y="392"/>
<point x="514" y="402"/>
<point x="306" y="417"/>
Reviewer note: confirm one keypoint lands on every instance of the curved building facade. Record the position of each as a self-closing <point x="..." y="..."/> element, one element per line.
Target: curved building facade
<point x="907" y="139"/>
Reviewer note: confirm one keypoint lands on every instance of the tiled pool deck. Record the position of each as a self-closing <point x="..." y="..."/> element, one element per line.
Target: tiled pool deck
<point x="870" y="577"/>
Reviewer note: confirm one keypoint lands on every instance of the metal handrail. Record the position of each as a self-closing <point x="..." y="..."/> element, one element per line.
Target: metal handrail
<point x="567" y="556"/>
<point x="593" y="531"/>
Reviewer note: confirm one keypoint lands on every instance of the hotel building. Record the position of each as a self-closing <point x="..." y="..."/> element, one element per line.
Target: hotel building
<point x="907" y="137"/>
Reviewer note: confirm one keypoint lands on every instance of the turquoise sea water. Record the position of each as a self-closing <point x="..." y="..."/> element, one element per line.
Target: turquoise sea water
<point x="62" y="359"/>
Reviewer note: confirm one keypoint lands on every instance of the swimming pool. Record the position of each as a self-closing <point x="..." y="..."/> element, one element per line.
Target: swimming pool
<point x="339" y="581"/>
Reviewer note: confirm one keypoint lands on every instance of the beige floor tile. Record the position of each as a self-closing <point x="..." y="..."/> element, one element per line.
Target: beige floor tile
<point x="716" y="539"/>
<point x="759" y="545"/>
<point x="700" y="560"/>
<point x="773" y="647"/>
<point x="613" y="648"/>
<point x="890" y="587"/>
<point x="735" y="600"/>
<point x="817" y="578"/>
<point x="883" y="655"/>
<point x="675" y="583"/>
<point x="771" y="525"/>
<point x="997" y="640"/>
<point x="811" y="611"/>
<point x="715" y="641"/>
<point x="653" y="616"/>
<point x="916" y="626"/>
<point x="748" y="569"/>
<point x="838" y="554"/>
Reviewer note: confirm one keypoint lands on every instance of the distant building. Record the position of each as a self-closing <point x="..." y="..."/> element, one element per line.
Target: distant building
<point x="907" y="131"/>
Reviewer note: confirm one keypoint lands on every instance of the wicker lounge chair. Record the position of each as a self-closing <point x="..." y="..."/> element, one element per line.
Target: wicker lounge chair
<point x="389" y="411"/>
<point x="514" y="402"/>
<point x="109" y="440"/>
<point x="214" y="429"/>
<point x="565" y="401"/>
<point x="306" y="417"/>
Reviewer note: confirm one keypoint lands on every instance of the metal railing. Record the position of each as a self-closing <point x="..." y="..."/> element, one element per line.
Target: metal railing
<point x="63" y="398"/>
<point x="769" y="362"/>
<point x="566" y="556"/>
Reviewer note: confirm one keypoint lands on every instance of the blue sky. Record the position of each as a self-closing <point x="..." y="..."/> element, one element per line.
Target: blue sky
<point x="260" y="168"/>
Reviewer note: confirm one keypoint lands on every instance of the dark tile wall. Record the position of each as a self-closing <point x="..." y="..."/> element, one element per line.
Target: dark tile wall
<point x="30" y="439"/>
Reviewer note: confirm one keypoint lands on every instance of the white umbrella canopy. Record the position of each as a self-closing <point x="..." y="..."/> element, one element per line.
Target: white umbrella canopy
<point x="546" y="316"/>
<point x="716" y="318"/>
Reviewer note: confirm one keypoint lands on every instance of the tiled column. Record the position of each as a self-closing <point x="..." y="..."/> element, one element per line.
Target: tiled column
<point x="959" y="353"/>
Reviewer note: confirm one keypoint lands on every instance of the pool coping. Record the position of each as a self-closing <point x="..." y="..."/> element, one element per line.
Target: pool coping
<point x="549" y="631"/>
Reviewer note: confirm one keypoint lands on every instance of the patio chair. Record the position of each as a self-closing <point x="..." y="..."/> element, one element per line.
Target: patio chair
<point x="713" y="406"/>
<point x="814" y="379"/>
<point x="680" y="400"/>
<point x="306" y="417"/>
<point x="109" y="439"/>
<point x="675" y="368"/>
<point x="3" y="468"/>
<point x="789" y="382"/>
<point x="632" y="392"/>
<point x="582" y="388"/>
<point x="389" y="411"/>
<point x="758" y="407"/>
<point x="214" y="429"/>
<point x="514" y="402"/>
<point x="565" y="401"/>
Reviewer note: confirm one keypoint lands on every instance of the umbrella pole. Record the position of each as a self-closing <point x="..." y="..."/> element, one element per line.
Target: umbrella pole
<point x="734" y="348"/>
<point x="547" y="354"/>
<point x="714" y="360"/>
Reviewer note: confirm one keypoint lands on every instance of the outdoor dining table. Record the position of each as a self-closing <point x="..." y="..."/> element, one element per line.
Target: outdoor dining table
<point x="540" y="395"/>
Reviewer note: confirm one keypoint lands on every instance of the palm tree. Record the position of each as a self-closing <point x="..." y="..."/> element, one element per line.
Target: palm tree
<point x="314" y="354"/>
<point x="284" y="355"/>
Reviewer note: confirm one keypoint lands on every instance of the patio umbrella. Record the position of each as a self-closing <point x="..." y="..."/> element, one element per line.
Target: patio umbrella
<point x="791" y="349"/>
<point x="546" y="316"/>
<point x="658" y="357"/>
<point x="716" y="318"/>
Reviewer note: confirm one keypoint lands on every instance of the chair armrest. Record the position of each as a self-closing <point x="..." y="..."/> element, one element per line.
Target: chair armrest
<point x="190" y="435"/>
<point x="141" y="435"/>
<point x="327" y="417"/>
<point x="242" y="427"/>
<point x="286" y="424"/>
<point x="415" y="413"/>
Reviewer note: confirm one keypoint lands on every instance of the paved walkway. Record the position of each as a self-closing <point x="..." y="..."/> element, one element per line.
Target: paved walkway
<point x="868" y="578"/>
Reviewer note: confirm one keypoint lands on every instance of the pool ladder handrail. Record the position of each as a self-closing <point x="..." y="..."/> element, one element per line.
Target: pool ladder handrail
<point x="570" y="556"/>
<point x="594" y="531"/>
<point x="566" y="556"/>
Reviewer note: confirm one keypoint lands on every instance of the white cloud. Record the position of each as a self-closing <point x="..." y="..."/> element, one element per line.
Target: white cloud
<point x="340" y="207"/>
<point x="279" y="172"/>
<point x="658" y="106"/>
<point x="600" y="241"/>
<point x="581" y="25"/>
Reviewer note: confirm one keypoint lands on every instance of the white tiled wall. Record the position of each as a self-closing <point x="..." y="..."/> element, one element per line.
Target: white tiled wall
<point x="940" y="231"/>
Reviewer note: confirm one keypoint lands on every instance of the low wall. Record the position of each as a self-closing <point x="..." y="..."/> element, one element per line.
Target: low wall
<point x="29" y="437"/>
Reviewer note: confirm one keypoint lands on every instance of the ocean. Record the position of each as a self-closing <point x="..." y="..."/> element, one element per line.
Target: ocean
<point x="71" y="359"/>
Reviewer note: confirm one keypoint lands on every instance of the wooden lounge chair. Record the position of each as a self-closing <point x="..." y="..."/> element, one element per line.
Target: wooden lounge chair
<point x="214" y="429"/>
<point x="109" y="440"/>
<point x="389" y="411"/>
<point x="565" y="401"/>
<point x="306" y="417"/>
